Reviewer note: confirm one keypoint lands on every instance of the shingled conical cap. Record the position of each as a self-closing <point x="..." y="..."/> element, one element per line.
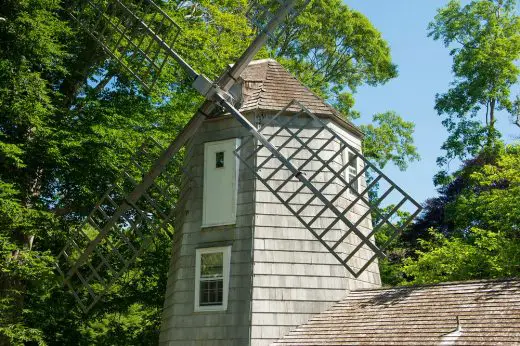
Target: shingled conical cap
<point x="268" y="86"/>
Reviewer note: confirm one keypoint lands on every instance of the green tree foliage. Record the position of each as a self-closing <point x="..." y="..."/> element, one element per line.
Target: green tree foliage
<point x="30" y="53"/>
<point x="67" y="127"/>
<point x="334" y="49"/>
<point x="390" y="268"/>
<point x="470" y="231"/>
<point x="70" y="118"/>
<point x="389" y="139"/>
<point x="484" y="38"/>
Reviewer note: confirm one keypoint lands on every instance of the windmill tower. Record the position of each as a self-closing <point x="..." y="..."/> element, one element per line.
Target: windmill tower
<point x="244" y="270"/>
<point x="273" y="220"/>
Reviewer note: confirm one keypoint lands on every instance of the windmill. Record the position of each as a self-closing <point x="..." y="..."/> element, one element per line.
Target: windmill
<point x="132" y="212"/>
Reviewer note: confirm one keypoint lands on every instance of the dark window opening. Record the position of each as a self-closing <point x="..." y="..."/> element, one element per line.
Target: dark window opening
<point x="219" y="159"/>
<point x="352" y="173"/>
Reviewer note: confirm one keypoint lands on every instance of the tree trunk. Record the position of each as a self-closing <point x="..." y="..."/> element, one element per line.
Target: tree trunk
<point x="492" y="114"/>
<point x="491" y="126"/>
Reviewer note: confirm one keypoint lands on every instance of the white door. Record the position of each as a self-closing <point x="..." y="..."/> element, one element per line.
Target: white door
<point x="220" y="183"/>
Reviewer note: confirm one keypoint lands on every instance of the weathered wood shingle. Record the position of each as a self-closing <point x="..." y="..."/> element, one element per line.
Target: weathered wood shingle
<point x="268" y="86"/>
<point x="294" y="275"/>
<point x="488" y="313"/>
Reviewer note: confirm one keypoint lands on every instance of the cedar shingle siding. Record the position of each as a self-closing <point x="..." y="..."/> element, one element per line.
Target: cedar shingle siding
<point x="488" y="313"/>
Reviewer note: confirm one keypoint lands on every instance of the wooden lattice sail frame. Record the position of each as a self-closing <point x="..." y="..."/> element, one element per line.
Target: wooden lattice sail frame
<point x="129" y="215"/>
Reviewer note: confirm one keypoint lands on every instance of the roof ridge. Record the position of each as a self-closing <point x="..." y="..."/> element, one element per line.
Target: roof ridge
<point x="448" y="283"/>
<point x="256" y="62"/>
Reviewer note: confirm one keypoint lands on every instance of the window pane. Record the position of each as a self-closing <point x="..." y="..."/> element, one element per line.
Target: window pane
<point x="219" y="159"/>
<point x="211" y="265"/>
<point x="211" y="292"/>
<point x="353" y="160"/>
<point x="354" y="184"/>
<point x="352" y="172"/>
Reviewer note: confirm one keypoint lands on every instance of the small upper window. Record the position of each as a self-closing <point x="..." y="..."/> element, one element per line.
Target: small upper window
<point x="219" y="159"/>
<point x="212" y="278"/>
<point x="352" y="172"/>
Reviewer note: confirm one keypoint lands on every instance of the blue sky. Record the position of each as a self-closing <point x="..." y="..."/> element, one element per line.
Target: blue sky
<point x="424" y="70"/>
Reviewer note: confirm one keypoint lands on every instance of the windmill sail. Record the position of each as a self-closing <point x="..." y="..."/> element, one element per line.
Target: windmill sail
<point x="129" y="215"/>
<point x="141" y="37"/>
<point x="118" y="230"/>
<point x="142" y="48"/>
<point x="313" y="167"/>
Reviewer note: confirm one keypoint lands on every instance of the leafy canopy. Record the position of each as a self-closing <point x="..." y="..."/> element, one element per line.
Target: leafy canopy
<point x="63" y="140"/>
<point x="333" y="50"/>
<point x="471" y="231"/>
<point x="389" y="139"/>
<point x="484" y="41"/>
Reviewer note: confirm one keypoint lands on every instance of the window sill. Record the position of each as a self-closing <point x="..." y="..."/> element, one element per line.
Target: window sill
<point x="213" y="308"/>
<point x="209" y="227"/>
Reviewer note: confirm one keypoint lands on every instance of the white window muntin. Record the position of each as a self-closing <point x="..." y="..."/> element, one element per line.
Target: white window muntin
<point x="226" y="264"/>
<point x="352" y="171"/>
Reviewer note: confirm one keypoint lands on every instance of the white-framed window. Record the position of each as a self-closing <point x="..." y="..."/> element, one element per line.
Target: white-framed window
<point x="219" y="205"/>
<point x="351" y="172"/>
<point x="212" y="268"/>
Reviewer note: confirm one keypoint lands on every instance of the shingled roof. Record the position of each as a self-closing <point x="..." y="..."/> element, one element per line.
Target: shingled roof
<point x="268" y="86"/>
<point x="465" y="313"/>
